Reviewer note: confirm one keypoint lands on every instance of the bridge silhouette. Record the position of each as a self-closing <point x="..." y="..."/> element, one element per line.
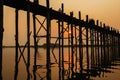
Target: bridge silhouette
<point x="100" y="42"/>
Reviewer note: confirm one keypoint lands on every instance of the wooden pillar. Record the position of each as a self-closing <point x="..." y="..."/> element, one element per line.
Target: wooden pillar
<point x="62" y="42"/>
<point x="98" y="46"/>
<point x="48" y="42"/>
<point x="35" y="44"/>
<point x="16" y="43"/>
<point x="72" y="47"/>
<point x="80" y="47"/>
<point x="92" y="47"/>
<point x="95" y="32"/>
<point x="48" y="35"/>
<point x="107" y="45"/>
<point x="112" y="45"/>
<point x="69" y="50"/>
<point x="87" y="52"/>
<point x="75" y="49"/>
<point x="1" y="35"/>
<point x="101" y="45"/>
<point x="104" y="45"/>
<point x="28" y="40"/>
<point x="59" y="30"/>
<point x="119" y="44"/>
<point x="114" y="51"/>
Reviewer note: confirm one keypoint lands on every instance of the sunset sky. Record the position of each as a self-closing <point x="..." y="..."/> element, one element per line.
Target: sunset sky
<point x="106" y="11"/>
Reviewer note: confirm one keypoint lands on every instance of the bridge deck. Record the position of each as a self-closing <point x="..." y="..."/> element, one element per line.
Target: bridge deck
<point x="41" y="10"/>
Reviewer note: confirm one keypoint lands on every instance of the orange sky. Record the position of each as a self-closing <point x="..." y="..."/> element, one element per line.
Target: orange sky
<point x="107" y="11"/>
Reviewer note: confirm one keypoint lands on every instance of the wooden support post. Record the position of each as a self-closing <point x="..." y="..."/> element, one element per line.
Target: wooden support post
<point x="1" y="36"/>
<point x="110" y="48"/>
<point x="87" y="52"/>
<point x="116" y="44"/>
<point x="113" y="55"/>
<point x="98" y="46"/>
<point x="72" y="47"/>
<point x="119" y="44"/>
<point x="16" y="43"/>
<point x="112" y="45"/>
<point x="35" y="44"/>
<point x="59" y="30"/>
<point x="48" y="35"/>
<point x="48" y="66"/>
<point x="62" y="36"/>
<point x="107" y="45"/>
<point x="62" y="41"/>
<point x="92" y="47"/>
<point x="104" y="46"/>
<point x="95" y="32"/>
<point x="28" y="40"/>
<point x="80" y="47"/>
<point x="69" y="50"/>
<point x="75" y="49"/>
<point x="101" y="44"/>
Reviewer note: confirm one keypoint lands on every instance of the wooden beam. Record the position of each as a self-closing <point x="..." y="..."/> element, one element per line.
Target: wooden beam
<point x="1" y="36"/>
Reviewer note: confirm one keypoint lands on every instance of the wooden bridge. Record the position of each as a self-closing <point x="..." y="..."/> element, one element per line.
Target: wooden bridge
<point x="101" y="43"/>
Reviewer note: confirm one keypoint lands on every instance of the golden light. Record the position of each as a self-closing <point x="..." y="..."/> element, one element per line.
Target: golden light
<point x="69" y="32"/>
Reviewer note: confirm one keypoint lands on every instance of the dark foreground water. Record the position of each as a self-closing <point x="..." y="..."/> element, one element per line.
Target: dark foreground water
<point x="8" y="70"/>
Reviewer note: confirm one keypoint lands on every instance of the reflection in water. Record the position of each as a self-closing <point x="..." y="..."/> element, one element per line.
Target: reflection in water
<point x="55" y="72"/>
<point x="16" y="67"/>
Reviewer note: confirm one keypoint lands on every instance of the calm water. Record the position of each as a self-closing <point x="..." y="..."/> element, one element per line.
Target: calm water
<point x="8" y="70"/>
